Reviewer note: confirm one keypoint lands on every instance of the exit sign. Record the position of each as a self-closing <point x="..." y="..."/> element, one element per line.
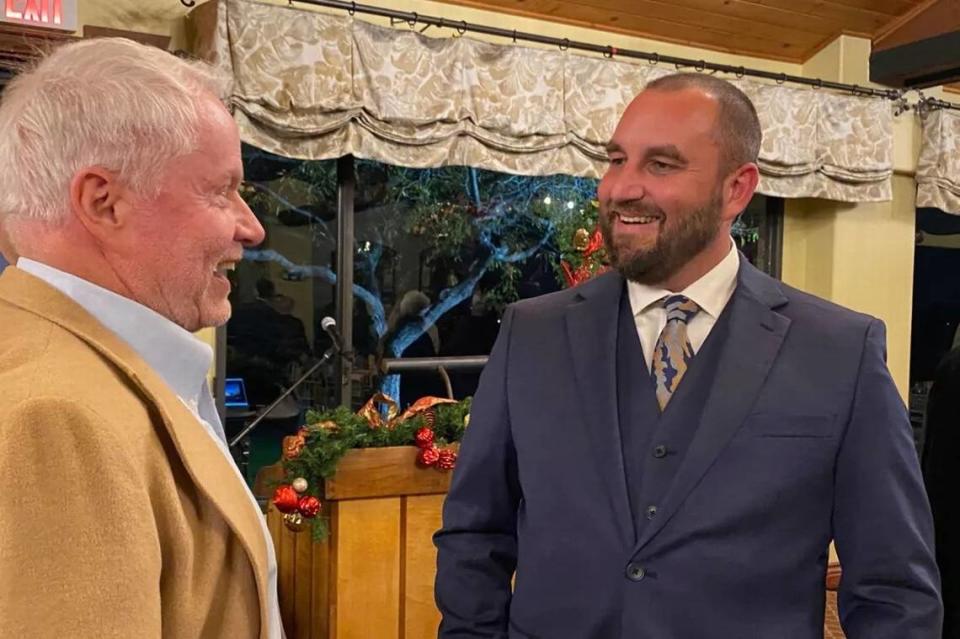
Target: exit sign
<point x="48" y="14"/>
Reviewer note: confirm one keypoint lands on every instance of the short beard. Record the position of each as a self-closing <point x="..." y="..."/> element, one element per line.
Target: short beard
<point x="691" y="232"/>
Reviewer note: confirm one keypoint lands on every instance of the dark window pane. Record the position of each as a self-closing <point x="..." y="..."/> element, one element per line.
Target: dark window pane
<point x="437" y="256"/>
<point x="281" y="291"/>
<point x="443" y="251"/>
<point x="758" y="233"/>
<point x="935" y="328"/>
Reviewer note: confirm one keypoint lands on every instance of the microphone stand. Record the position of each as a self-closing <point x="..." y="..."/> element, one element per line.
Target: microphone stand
<point x="327" y="356"/>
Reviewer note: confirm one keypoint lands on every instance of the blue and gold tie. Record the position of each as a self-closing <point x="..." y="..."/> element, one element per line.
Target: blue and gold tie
<point x="673" y="352"/>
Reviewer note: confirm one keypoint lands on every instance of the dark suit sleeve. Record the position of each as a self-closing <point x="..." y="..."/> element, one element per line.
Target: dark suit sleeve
<point x="941" y="472"/>
<point x="477" y="546"/>
<point x="882" y="524"/>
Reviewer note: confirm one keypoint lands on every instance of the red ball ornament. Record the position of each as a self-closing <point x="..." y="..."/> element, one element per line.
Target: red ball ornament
<point x="424" y="438"/>
<point x="309" y="506"/>
<point x="428" y="456"/>
<point x="447" y="459"/>
<point x="286" y="499"/>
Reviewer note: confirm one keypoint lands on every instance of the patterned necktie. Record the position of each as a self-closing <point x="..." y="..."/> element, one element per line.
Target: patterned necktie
<point x="673" y="352"/>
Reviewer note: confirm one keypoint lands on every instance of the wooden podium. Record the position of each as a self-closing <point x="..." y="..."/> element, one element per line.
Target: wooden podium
<point x="373" y="577"/>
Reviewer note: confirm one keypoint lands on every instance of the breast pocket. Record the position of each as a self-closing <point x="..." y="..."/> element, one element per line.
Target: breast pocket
<point x="785" y="425"/>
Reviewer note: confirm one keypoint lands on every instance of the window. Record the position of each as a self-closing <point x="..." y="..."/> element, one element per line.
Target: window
<point x="936" y="307"/>
<point x="758" y="233"/>
<point x="435" y="255"/>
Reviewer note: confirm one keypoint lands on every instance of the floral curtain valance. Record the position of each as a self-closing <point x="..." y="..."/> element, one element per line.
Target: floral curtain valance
<point x="938" y="169"/>
<point x="316" y="86"/>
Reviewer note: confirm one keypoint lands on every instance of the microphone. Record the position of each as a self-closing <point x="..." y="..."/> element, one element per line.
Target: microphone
<point x="329" y="326"/>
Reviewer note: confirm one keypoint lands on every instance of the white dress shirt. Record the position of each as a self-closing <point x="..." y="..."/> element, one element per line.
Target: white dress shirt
<point x="711" y="293"/>
<point x="181" y="360"/>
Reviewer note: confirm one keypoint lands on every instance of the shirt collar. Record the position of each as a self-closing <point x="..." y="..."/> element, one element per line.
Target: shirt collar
<point x="180" y="359"/>
<point x="711" y="292"/>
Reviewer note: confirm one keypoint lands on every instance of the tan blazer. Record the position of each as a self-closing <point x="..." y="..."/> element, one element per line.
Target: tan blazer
<point x="119" y="516"/>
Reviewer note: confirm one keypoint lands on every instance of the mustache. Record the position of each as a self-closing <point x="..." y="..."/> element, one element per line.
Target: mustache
<point x="633" y="208"/>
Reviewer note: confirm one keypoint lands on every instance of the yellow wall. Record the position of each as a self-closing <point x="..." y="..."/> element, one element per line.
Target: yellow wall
<point x="860" y="255"/>
<point x="160" y="17"/>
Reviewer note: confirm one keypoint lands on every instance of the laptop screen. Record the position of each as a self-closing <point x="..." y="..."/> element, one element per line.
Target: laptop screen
<point x="235" y="394"/>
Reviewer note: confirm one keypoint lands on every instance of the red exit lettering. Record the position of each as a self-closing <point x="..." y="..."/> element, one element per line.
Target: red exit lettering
<point x="37" y="11"/>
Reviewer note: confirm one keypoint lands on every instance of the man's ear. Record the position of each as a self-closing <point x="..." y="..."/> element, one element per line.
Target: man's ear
<point x="738" y="190"/>
<point x="98" y="199"/>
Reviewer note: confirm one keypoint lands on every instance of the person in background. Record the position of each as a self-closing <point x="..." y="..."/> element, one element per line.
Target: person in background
<point x="266" y="345"/>
<point x="941" y="473"/>
<point x="408" y="313"/>
<point x="122" y="513"/>
<point x="667" y="450"/>
<point x="472" y="333"/>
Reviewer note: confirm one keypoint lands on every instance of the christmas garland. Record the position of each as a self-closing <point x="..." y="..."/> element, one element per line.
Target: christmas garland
<point x="311" y="456"/>
<point x="580" y="244"/>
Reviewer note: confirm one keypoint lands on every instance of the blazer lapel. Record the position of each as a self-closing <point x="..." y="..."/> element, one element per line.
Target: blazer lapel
<point x="592" y="320"/>
<point x="213" y="474"/>
<point x="756" y="332"/>
<point x="208" y="466"/>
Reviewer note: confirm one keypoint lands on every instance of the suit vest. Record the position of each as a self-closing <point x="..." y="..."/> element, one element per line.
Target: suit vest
<point x="653" y="445"/>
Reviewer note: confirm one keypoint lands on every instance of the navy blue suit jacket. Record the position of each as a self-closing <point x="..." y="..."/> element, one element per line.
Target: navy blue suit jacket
<point x="803" y="439"/>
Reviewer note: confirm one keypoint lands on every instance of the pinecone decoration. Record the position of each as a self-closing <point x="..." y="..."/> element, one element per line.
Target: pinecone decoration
<point x="428" y="456"/>
<point x="424" y="438"/>
<point x="447" y="459"/>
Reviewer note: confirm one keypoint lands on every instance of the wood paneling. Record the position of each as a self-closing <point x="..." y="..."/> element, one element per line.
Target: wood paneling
<point x="928" y="21"/>
<point x="421" y="519"/>
<point x="383" y="472"/>
<point x="368" y="558"/>
<point x="790" y="30"/>
<point x="19" y="45"/>
<point x="373" y="578"/>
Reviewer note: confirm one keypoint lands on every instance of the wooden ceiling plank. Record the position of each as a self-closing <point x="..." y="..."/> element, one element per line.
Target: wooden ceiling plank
<point x="652" y="28"/>
<point x="929" y="18"/>
<point x="808" y="15"/>
<point x="685" y="13"/>
<point x="891" y="7"/>
<point x="785" y="16"/>
<point x="746" y="14"/>
<point x="840" y="12"/>
<point x="662" y="22"/>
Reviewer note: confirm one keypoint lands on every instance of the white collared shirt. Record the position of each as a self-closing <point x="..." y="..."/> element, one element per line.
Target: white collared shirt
<point x="181" y="361"/>
<point x="711" y="292"/>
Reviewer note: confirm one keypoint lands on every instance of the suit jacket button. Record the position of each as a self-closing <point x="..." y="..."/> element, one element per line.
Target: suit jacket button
<point x="651" y="512"/>
<point x="635" y="572"/>
<point x="660" y="451"/>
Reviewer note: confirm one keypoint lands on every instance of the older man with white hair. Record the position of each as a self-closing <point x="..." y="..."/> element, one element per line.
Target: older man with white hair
<point x="121" y="511"/>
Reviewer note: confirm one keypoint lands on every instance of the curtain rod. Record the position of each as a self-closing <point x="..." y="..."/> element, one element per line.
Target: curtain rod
<point x="925" y="105"/>
<point x="413" y="19"/>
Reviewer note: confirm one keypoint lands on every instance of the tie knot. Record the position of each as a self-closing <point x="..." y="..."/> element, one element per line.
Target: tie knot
<point x="680" y="308"/>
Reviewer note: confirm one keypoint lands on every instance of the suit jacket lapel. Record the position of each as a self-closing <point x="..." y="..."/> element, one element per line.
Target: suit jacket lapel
<point x="592" y="321"/>
<point x="756" y="332"/>
<point x="206" y="463"/>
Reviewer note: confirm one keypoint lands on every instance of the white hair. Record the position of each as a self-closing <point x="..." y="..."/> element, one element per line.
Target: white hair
<point x="108" y="102"/>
